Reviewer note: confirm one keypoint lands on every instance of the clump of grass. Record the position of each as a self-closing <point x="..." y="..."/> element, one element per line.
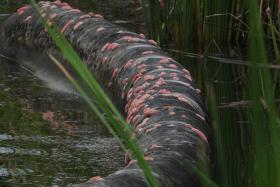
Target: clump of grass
<point x="194" y="25"/>
<point x="246" y="150"/>
<point x="263" y="113"/>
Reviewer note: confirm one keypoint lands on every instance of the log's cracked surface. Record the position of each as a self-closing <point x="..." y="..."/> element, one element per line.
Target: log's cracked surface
<point x="155" y="93"/>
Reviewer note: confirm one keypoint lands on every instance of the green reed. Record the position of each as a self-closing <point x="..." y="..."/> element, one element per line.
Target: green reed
<point x="245" y="146"/>
<point x="195" y="24"/>
<point x="263" y="113"/>
<point x="112" y="119"/>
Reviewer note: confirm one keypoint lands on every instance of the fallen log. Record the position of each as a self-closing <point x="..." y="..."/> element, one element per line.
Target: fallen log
<point x="155" y="93"/>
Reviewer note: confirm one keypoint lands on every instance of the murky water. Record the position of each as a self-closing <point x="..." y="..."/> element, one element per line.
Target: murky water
<point x="50" y="138"/>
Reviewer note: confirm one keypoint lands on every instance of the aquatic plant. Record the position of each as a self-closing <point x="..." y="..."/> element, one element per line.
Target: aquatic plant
<point x="194" y="25"/>
<point x="245" y="154"/>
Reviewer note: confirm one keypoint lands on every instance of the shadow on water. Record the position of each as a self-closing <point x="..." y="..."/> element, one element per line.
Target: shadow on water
<point x="47" y="137"/>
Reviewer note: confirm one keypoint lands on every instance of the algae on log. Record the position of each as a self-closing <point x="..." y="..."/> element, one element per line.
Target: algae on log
<point x="155" y="93"/>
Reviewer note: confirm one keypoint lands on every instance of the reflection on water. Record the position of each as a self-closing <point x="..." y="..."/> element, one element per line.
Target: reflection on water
<point x="49" y="138"/>
<point x="69" y="146"/>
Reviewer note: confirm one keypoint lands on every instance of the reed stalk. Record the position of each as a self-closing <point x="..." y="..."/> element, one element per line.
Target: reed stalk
<point x="114" y="121"/>
<point x="245" y="154"/>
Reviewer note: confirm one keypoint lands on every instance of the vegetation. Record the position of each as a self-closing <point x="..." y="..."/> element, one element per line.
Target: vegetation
<point x="232" y="49"/>
<point x="240" y="95"/>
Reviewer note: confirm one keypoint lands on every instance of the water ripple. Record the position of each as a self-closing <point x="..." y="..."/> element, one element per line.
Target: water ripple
<point x="6" y="150"/>
<point x="4" y="137"/>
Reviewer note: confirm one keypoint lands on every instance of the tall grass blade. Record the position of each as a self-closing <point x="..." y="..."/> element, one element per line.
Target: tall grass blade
<point x="264" y="119"/>
<point x="114" y="121"/>
<point x="246" y="154"/>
